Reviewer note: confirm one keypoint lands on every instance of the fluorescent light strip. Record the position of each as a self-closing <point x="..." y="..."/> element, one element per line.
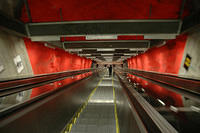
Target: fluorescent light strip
<point x="138" y="49"/>
<point x="196" y="109"/>
<point x="129" y="54"/>
<point x="172" y="108"/>
<point x="160" y="101"/>
<point x="74" y="50"/>
<point x="101" y="37"/>
<point x="84" y="54"/>
<point x="105" y="49"/>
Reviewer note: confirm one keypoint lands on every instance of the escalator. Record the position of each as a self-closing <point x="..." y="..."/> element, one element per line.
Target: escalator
<point x="99" y="115"/>
<point x="97" y="103"/>
<point x="109" y="109"/>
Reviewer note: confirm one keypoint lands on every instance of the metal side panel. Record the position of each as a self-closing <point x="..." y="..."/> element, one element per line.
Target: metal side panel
<point x="129" y="121"/>
<point x="104" y="27"/>
<point x="107" y="44"/>
<point x="52" y="113"/>
<point x="152" y="120"/>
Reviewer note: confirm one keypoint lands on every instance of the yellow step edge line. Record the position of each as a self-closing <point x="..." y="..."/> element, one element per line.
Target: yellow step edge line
<point x="73" y="121"/>
<point x="115" y="104"/>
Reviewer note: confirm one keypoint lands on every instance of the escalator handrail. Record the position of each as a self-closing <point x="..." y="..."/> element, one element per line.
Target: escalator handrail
<point x="13" y="86"/>
<point x="183" y="82"/>
<point x="40" y="98"/>
<point x="153" y="121"/>
<point x="186" y="86"/>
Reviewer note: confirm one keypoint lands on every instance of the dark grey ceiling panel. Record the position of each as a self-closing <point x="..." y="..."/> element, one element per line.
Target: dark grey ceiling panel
<point x="12" y="25"/>
<point x="107" y="44"/>
<point x="105" y="27"/>
<point x="117" y="51"/>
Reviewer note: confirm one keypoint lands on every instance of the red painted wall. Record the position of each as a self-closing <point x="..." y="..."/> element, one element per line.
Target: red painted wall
<point x="47" y="60"/>
<point x="73" y="10"/>
<point x="164" y="59"/>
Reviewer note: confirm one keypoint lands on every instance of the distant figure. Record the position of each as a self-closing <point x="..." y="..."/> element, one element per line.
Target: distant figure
<point x="110" y="70"/>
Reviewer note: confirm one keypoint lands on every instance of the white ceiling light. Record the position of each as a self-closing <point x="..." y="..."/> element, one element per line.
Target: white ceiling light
<point x="100" y="37"/>
<point x="74" y="50"/>
<point x="129" y="54"/>
<point x="84" y="54"/>
<point x="133" y="49"/>
<point x="138" y="49"/>
<point x="105" y="49"/>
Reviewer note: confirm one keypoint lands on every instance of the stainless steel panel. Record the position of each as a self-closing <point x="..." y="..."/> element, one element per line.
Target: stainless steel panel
<point x="51" y="114"/>
<point x="128" y="119"/>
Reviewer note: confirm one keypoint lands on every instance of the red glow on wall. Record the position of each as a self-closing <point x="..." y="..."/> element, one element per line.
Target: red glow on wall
<point x="164" y="59"/>
<point x="47" y="60"/>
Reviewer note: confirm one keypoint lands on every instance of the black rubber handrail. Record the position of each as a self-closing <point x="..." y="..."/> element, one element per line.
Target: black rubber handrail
<point x="188" y="87"/>
<point x="20" y="106"/>
<point x="13" y="86"/>
<point x="152" y="120"/>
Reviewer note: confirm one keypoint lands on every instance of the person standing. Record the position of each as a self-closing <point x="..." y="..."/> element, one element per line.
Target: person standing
<point x="110" y="70"/>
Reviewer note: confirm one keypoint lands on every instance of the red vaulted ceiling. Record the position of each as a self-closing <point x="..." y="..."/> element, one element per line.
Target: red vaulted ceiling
<point x="75" y="10"/>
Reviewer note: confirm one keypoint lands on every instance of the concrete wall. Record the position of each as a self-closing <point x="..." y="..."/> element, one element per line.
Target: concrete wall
<point x="193" y="50"/>
<point x="8" y="6"/>
<point x="10" y="47"/>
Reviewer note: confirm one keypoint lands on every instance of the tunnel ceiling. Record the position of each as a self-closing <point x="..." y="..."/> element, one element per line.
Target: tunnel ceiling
<point x="134" y="22"/>
<point x="76" y="10"/>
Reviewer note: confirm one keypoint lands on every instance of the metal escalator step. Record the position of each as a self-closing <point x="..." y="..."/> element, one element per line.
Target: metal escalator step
<point x="94" y="129"/>
<point x="94" y="121"/>
<point x="99" y="114"/>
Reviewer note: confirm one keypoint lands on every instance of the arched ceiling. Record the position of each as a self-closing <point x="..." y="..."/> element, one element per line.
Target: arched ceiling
<point x="76" y="10"/>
